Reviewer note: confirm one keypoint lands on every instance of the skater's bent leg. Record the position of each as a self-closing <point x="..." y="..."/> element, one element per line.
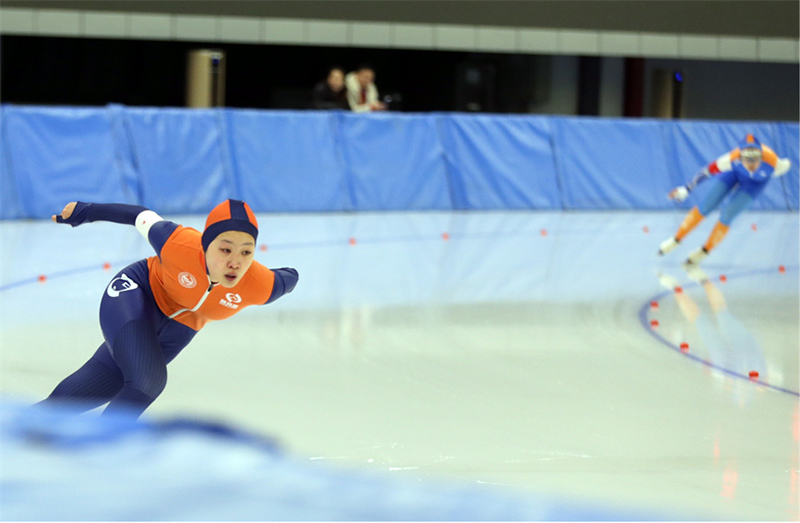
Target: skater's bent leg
<point x="689" y="223"/>
<point x="129" y="319"/>
<point x="716" y="236"/>
<point x="138" y="354"/>
<point x="738" y="203"/>
<point x="91" y="386"/>
<point x="719" y="188"/>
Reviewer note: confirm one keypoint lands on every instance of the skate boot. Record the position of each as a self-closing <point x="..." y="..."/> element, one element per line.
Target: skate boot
<point x="668" y="281"/>
<point x="695" y="273"/>
<point x="696" y="256"/>
<point x="667" y="245"/>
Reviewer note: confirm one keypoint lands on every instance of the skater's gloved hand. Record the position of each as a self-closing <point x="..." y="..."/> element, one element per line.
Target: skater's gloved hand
<point x="679" y="194"/>
<point x="782" y="167"/>
<point x="74" y="213"/>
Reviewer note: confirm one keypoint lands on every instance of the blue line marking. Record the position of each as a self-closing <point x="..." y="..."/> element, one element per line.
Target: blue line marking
<point x="642" y="311"/>
<point x="646" y="324"/>
<point x="59" y="274"/>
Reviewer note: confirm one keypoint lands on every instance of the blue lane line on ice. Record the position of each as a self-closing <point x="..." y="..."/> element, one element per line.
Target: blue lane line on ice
<point x="378" y="240"/>
<point x="59" y="274"/>
<point x="398" y="239"/>
<point x="646" y="324"/>
<point x="290" y="245"/>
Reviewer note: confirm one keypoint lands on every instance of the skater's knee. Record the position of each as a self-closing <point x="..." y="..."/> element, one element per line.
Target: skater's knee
<point x="137" y="353"/>
<point x="728" y="214"/>
<point x="705" y="208"/>
<point x="151" y="384"/>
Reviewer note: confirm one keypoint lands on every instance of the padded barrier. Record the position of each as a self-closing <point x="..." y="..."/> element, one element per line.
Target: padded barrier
<point x="184" y="161"/>
<point x="55" y="154"/>
<point x="500" y="162"/>
<point x="181" y="158"/>
<point x="612" y="164"/>
<point x="394" y="162"/>
<point x="287" y="161"/>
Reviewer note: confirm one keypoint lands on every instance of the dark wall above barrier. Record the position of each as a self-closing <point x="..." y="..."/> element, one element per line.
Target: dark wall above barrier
<point x="775" y="17"/>
<point x="182" y="161"/>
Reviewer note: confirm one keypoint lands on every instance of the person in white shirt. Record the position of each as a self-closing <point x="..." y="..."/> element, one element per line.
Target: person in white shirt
<point x="362" y="95"/>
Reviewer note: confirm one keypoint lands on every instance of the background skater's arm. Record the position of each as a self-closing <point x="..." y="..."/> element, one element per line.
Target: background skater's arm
<point x="782" y="167"/>
<point x="698" y="178"/>
<point x="680" y="193"/>
<point x="721" y="164"/>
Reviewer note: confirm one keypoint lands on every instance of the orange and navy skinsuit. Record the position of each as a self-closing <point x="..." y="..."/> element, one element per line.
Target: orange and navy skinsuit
<point x="181" y="287"/>
<point x="153" y="308"/>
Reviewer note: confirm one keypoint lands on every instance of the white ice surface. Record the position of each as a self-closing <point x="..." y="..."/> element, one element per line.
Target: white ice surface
<point x="516" y="352"/>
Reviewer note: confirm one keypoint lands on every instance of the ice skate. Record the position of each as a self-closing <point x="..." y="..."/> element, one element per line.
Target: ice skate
<point x="696" y="257"/>
<point x="668" y="281"/>
<point x="695" y="273"/>
<point x="667" y="245"/>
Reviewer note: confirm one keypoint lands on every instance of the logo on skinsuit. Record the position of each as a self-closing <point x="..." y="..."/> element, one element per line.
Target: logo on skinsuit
<point x="121" y="284"/>
<point x="187" y="279"/>
<point x="231" y="300"/>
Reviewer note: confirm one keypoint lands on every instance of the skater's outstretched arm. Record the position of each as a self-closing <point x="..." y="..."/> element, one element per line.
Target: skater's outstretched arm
<point x="78" y="213"/>
<point x="721" y="164"/>
<point x="699" y="178"/>
<point x="153" y="227"/>
<point x="285" y="281"/>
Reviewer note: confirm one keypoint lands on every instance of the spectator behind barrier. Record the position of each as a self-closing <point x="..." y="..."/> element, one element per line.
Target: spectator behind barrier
<point x="330" y="93"/>
<point x="361" y="91"/>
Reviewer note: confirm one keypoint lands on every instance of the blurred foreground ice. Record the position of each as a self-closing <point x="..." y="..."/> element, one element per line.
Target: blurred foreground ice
<point x="59" y="466"/>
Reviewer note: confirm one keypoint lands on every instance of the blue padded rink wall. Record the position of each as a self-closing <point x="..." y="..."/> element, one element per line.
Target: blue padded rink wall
<point x="490" y="337"/>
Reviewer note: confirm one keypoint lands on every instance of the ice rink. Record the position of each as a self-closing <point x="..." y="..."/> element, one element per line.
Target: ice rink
<point x="550" y="352"/>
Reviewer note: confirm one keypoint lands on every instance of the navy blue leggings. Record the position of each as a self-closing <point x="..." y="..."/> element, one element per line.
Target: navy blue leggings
<point x="129" y="370"/>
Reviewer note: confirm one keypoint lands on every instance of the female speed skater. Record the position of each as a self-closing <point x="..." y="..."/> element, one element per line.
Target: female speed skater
<point x="743" y="173"/>
<point x="153" y="308"/>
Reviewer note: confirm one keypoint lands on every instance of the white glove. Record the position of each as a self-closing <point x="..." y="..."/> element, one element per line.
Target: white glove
<point x="679" y="194"/>
<point x="782" y="167"/>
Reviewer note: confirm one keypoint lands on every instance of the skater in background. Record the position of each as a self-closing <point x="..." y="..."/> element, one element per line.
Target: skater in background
<point x="742" y="173"/>
<point x="153" y="308"/>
